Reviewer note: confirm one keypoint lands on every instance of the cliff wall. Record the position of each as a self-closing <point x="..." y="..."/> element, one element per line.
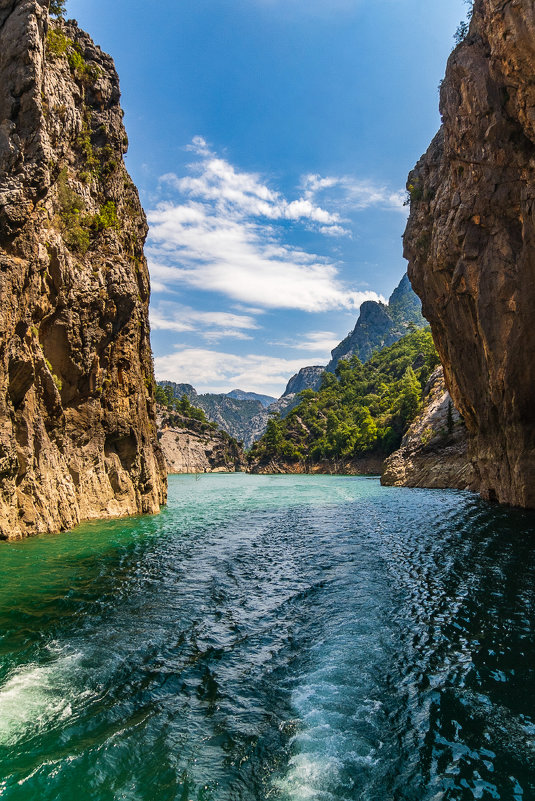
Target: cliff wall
<point x="470" y="242"/>
<point x="77" y="420"/>
<point x="190" y="447"/>
<point x="434" y="451"/>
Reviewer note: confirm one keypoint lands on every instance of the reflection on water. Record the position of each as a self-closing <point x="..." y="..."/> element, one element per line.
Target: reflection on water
<point x="285" y="637"/>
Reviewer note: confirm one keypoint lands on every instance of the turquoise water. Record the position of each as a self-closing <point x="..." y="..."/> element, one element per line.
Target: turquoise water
<point x="273" y="637"/>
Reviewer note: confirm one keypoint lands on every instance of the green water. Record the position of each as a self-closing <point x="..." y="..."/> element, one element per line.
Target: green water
<point x="273" y="637"/>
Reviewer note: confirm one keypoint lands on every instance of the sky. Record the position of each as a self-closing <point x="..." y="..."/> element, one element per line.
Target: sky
<point x="270" y="141"/>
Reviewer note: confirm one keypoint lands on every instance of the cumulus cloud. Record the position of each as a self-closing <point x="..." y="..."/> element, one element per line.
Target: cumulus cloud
<point x="241" y="193"/>
<point x="211" y="326"/>
<point x="216" y="371"/>
<point x="223" y="231"/>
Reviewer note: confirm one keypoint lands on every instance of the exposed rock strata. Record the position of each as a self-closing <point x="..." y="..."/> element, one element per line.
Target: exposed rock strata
<point x="434" y="451"/>
<point x="77" y="424"/>
<point x="189" y="447"/>
<point x="470" y="241"/>
<point x="365" y="466"/>
<point x="245" y="419"/>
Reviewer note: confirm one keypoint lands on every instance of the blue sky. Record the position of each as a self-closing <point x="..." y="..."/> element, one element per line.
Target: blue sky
<point x="270" y="141"/>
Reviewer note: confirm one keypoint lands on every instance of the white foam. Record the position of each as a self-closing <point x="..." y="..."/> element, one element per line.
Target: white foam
<point x="305" y="777"/>
<point x="35" y="695"/>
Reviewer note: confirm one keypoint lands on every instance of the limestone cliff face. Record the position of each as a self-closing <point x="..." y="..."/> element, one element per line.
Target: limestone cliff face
<point x="190" y="447"/>
<point x="470" y="241"/>
<point x="433" y="452"/>
<point x="77" y="423"/>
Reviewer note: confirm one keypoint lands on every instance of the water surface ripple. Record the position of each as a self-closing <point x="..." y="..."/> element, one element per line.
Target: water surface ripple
<point x="273" y="637"/>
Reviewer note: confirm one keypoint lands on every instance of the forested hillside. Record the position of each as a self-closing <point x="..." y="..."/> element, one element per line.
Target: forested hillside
<point x="361" y="409"/>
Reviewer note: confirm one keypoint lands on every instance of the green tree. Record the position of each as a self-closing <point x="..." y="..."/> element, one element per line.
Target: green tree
<point x="409" y="396"/>
<point x="273" y="438"/>
<point x="57" y="8"/>
<point x="362" y="408"/>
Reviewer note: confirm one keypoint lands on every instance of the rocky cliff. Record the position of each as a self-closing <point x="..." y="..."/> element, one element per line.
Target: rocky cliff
<point x="470" y="242"/>
<point x="239" y="417"/>
<point x="306" y="378"/>
<point x="77" y="422"/>
<point x="434" y="451"/>
<point x="380" y="325"/>
<point x="190" y="446"/>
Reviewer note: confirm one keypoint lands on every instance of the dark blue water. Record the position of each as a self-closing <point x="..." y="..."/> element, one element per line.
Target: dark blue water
<point x="278" y="637"/>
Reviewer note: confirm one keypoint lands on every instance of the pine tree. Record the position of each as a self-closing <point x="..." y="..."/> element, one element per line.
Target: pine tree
<point x="57" y="8"/>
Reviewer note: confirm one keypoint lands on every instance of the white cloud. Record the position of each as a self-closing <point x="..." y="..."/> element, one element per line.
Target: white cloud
<point x="215" y="371"/>
<point x="350" y="193"/>
<point x="225" y="233"/>
<point x="243" y="193"/>
<point x="316" y="341"/>
<point x="211" y="326"/>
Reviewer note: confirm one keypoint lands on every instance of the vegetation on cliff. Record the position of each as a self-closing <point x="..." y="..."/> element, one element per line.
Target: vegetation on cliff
<point x="361" y="409"/>
<point x="180" y="415"/>
<point x="190" y="442"/>
<point x="181" y="406"/>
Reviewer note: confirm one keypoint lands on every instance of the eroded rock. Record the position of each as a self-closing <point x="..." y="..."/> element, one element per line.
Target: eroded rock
<point x="470" y="243"/>
<point x="77" y="421"/>
<point x="434" y="451"/>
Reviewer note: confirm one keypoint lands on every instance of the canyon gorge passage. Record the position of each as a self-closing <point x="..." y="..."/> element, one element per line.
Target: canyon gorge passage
<point x="240" y="636"/>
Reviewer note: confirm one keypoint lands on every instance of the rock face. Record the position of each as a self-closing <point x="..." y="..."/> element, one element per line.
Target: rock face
<point x="306" y="378"/>
<point x="379" y="326"/>
<point x="77" y="424"/>
<point x="365" y="466"/>
<point x="434" y="451"/>
<point x="470" y="242"/>
<point x="236" y="416"/>
<point x="189" y="447"/>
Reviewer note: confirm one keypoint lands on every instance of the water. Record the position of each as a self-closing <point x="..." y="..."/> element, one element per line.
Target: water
<point x="273" y="637"/>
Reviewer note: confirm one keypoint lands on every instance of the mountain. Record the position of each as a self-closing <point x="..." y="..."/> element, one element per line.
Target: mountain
<point x="380" y="325"/>
<point x="470" y="243"/>
<point x="356" y="418"/>
<point x="239" y="394"/>
<point x="306" y="378"/>
<point x="77" y="414"/>
<point x="234" y="415"/>
<point x="192" y="444"/>
<point x="377" y="325"/>
<point x="178" y="390"/>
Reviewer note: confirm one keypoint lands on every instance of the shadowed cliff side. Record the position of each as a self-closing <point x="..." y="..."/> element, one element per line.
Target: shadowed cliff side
<point x="470" y="242"/>
<point x="77" y="421"/>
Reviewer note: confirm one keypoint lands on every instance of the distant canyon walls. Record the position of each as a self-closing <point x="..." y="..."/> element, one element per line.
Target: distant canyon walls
<point x="470" y="242"/>
<point x="77" y="421"/>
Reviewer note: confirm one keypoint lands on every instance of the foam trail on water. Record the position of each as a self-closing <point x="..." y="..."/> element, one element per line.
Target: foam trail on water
<point x="34" y="696"/>
<point x="337" y="743"/>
